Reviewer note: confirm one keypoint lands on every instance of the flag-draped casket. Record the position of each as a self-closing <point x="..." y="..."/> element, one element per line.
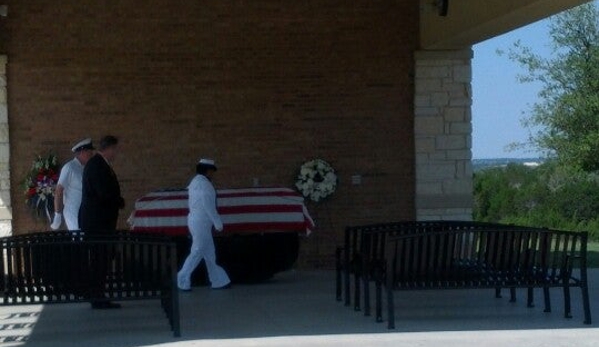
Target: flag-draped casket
<point x="261" y="227"/>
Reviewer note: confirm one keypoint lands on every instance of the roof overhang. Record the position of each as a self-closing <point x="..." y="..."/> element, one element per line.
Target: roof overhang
<point x="471" y="21"/>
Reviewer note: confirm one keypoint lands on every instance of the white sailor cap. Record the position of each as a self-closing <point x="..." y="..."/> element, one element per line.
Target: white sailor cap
<point x="207" y="162"/>
<point x="83" y="145"/>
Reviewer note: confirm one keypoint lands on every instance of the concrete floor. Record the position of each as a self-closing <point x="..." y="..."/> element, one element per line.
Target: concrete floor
<point x="298" y="308"/>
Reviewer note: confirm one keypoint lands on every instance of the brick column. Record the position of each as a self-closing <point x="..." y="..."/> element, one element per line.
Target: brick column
<point x="5" y="210"/>
<point x="443" y="135"/>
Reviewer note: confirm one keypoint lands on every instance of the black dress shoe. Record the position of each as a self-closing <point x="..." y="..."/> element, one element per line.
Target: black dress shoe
<point x="104" y="305"/>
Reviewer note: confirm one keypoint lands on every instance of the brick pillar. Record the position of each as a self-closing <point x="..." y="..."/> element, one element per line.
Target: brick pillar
<point x="443" y="135"/>
<point x="5" y="210"/>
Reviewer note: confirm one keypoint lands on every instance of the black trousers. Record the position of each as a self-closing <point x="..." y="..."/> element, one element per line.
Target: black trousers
<point x="101" y="258"/>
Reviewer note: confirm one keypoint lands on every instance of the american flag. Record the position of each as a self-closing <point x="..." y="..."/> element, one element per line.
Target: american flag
<point x="245" y="210"/>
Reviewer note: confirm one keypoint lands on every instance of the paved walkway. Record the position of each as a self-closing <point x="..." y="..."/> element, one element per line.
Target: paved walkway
<point x="298" y="309"/>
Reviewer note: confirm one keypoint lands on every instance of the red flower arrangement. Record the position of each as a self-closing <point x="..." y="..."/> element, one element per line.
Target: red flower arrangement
<point x="40" y="184"/>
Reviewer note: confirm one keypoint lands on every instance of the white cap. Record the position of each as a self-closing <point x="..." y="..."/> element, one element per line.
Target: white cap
<point x="82" y="145"/>
<point x="207" y="162"/>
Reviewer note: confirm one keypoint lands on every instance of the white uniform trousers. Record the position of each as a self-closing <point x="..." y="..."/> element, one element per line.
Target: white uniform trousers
<point x="71" y="219"/>
<point x="202" y="247"/>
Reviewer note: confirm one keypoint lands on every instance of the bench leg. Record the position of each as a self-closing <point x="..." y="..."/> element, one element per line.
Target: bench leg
<point x="512" y="294"/>
<point x="174" y="295"/>
<point x="390" y="308"/>
<point x="547" y="299"/>
<point x="379" y="301"/>
<point x="567" y="301"/>
<point x="366" y="296"/>
<point x="586" y="304"/>
<point x="584" y="287"/>
<point x="531" y="297"/>
<point x="338" y="269"/>
<point x="346" y="281"/>
<point x="357" y="291"/>
<point x="498" y="293"/>
<point x="346" y="270"/>
<point x="176" y="324"/>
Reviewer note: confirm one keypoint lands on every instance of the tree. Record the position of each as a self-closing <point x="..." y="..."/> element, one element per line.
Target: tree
<point x="568" y="111"/>
<point x="549" y="195"/>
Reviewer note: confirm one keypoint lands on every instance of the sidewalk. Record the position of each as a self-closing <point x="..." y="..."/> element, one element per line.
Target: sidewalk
<point x="299" y="309"/>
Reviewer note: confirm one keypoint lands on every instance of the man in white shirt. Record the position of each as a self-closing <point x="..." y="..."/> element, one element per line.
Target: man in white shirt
<point x="67" y="196"/>
<point x="202" y="218"/>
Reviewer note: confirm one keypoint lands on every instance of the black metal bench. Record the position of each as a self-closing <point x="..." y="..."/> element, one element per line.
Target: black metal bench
<point x="362" y="255"/>
<point x="485" y="258"/>
<point x="66" y="267"/>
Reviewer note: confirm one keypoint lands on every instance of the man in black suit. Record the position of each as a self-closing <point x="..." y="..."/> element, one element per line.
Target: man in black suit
<point x="101" y="192"/>
<point x="99" y="212"/>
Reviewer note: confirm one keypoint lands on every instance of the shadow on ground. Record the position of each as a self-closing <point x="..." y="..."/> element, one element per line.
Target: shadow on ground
<point x="293" y="303"/>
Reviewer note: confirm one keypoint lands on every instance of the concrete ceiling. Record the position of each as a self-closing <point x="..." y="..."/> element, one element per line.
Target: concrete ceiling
<point x="471" y="21"/>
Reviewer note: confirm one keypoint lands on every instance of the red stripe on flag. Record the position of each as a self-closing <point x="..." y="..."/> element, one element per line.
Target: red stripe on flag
<point x="251" y="228"/>
<point x="164" y="212"/>
<point x="164" y="198"/>
<point x="255" y="194"/>
<point x="259" y="209"/>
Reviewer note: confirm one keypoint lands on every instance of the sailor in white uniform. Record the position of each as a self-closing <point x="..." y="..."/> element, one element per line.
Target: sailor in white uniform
<point x="67" y="196"/>
<point x="202" y="217"/>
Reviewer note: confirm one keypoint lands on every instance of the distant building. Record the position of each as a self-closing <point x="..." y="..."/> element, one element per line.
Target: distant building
<point x="481" y="164"/>
<point x="531" y="164"/>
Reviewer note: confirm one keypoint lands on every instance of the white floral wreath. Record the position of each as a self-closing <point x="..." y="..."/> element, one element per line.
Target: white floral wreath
<point x="316" y="180"/>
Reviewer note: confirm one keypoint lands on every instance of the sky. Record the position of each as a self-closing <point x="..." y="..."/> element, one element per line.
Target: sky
<point x="499" y="100"/>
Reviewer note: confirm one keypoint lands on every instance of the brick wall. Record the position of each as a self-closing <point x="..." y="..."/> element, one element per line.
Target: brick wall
<point x="259" y="85"/>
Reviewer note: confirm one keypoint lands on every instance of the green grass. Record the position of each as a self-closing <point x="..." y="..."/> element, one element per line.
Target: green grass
<point x="593" y="254"/>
